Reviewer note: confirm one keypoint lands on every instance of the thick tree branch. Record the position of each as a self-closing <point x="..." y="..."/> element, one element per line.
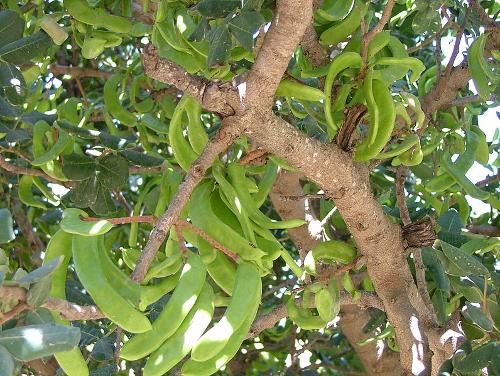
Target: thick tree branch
<point x="287" y="29"/>
<point x="211" y="96"/>
<point x="353" y="318"/>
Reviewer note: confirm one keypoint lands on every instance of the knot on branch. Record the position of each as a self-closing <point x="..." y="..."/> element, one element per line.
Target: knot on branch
<point x="420" y="234"/>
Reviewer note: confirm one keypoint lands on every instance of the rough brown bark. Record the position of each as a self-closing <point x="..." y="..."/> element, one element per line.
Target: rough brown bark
<point x="352" y="318"/>
<point x="346" y="182"/>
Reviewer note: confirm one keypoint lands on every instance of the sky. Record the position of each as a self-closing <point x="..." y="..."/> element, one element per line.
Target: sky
<point x="488" y="122"/>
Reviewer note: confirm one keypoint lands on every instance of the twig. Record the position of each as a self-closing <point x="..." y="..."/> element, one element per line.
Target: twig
<point x="429" y="40"/>
<point x="25" y="226"/>
<point x="123" y="220"/>
<point x="26" y="171"/>
<point x="421" y="284"/>
<point x="17" y="152"/>
<point x="121" y="199"/>
<point x="202" y="234"/>
<point x="488" y="180"/>
<point x="118" y="346"/>
<point x="14" y="312"/>
<point x="253" y="155"/>
<point x="146" y="170"/>
<point x="471" y="99"/>
<point x="278" y="287"/>
<point x="456" y="47"/>
<point x="368" y="37"/>
<point x="492" y="231"/>
<point x="404" y="214"/>
<point x="181" y="240"/>
<point x="77" y="72"/>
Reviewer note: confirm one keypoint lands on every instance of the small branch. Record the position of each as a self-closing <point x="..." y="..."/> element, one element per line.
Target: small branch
<point x="268" y="320"/>
<point x="225" y="137"/>
<point x="26" y="171"/>
<point x="491" y="231"/>
<point x="421" y="284"/>
<point x="404" y="214"/>
<point x="456" y="47"/>
<point x="202" y="234"/>
<point x="77" y="72"/>
<point x="279" y="286"/>
<point x="291" y="19"/>
<point x="368" y="37"/>
<point x="252" y="156"/>
<point x="146" y="170"/>
<point x="470" y="99"/>
<point x="17" y="152"/>
<point x="181" y="240"/>
<point x="488" y="180"/>
<point x="123" y="202"/>
<point x="26" y="228"/>
<point x="118" y="346"/>
<point x="429" y="40"/>
<point x="69" y="311"/>
<point x="14" y="312"/>
<point x="123" y="220"/>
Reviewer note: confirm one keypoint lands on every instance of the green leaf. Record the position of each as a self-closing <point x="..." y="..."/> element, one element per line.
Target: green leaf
<point x="113" y="171"/>
<point x="153" y="123"/>
<point x="201" y="31"/>
<point x="6" y="360"/>
<point x="103" y="349"/>
<point x="109" y="370"/>
<point x="474" y="361"/>
<point x="219" y="41"/>
<point x="12" y="84"/>
<point x="463" y="261"/>
<point x="103" y="204"/>
<point x="475" y="315"/>
<point x="7" y="110"/>
<point x="39" y="292"/>
<point x="11" y="27"/>
<point x="439" y="301"/>
<point x="79" y="167"/>
<point x="73" y="224"/>
<point x="141" y="159"/>
<point x="244" y="26"/>
<point x="36" y="341"/>
<point x="451" y="221"/>
<point x="38" y="316"/>
<point x="6" y="226"/>
<point x="85" y="193"/>
<point x="25" y="49"/>
<point x="43" y="271"/>
<point x="217" y="8"/>
<point x="432" y="263"/>
<point x="252" y="5"/>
